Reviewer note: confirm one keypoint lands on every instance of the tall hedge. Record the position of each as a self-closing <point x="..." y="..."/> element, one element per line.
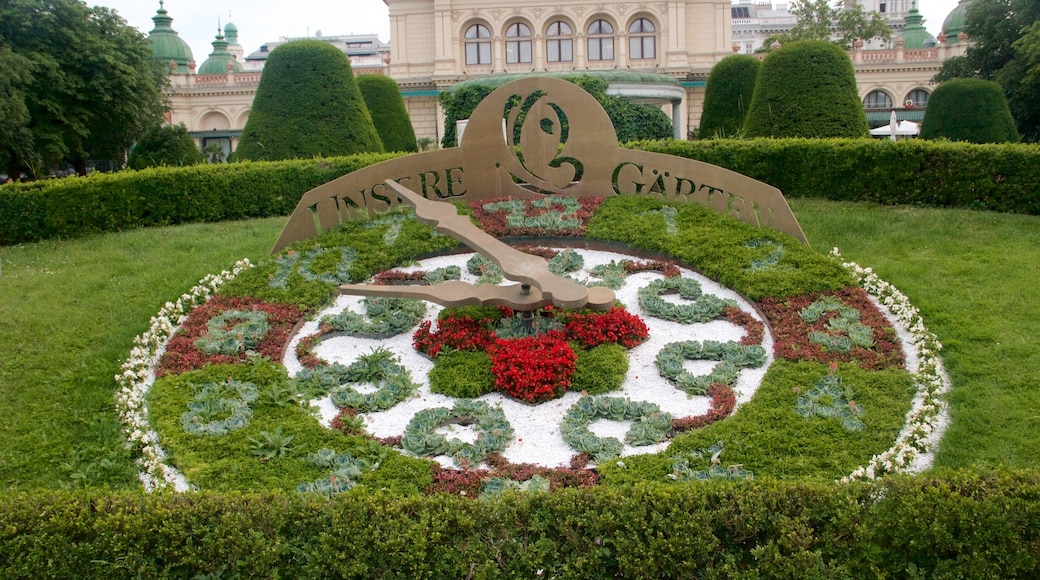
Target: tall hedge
<point x="169" y="145"/>
<point x="307" y="105"/>
<point x="727" y="96"/>
<point x="972" y="110"/>
<point x="383" y="98"/>
<point x="806" y="89"/>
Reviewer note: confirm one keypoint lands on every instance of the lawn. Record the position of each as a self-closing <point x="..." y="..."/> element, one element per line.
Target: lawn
<point x="69" y="311"/>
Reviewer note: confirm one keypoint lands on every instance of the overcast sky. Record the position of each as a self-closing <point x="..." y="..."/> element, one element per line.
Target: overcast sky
<point x="260" y="21"/>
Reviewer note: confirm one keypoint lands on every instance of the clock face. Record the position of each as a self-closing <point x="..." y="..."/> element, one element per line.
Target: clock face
<point x="537" y="427"/>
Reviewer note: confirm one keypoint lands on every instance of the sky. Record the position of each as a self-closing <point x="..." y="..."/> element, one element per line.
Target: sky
<point x="260" y="21"/>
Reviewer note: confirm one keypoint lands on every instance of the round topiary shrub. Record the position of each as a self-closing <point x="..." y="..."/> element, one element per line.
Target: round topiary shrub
<point x="806" y="89"/>
<point x="169" y="145"/>
<point x="383" y="98"/>
<point x="727" y="95"/>
<point x="307" y="105"/>
<point x="973" y="110"/>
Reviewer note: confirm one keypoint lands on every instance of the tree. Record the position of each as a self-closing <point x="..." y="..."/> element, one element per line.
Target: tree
<point x="386" y="105"/>
<point x="90" y="84"/>
<point x="819" y="20"/>
<point x="973" y="110"/>
<point x="169" y="145"/>
<point x="1005" y="37"/>
<point x="727" y="95"/>
<point x="15" y="137"/>
<point x="307" y="105"/>
<point x="806" y="89"/>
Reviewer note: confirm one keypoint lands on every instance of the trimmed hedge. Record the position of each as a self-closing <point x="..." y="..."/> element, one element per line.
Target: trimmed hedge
<point x="727" y="96"/>
<point x="973" y="110"/>
<point x="958" y="525"/>
<point x="106" y="202"/>
<point x="383" y="98"/>
<point x="1003" y="178"/>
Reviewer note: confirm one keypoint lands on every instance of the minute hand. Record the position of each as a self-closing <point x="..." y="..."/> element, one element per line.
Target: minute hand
<point x="515" y="265"/>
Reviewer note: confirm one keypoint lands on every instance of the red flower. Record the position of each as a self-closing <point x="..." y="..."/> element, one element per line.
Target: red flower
<point x="534" y="368"/>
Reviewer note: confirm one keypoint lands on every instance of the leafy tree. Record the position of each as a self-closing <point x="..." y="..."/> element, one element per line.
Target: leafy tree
<point x="632" y="121"/>
<point x="386" y="105"/>
<point x="819" y="20"/>
<point x="727" y="95"/>
<point x="169" y="145"/>
<point x="973" y="110"/>
<point x="806" y="89"/>
<point x="307" y="105"/>
<point x="1005" y="37"/>
<point x="15" y="137"/>
<point x="88" y="81"/>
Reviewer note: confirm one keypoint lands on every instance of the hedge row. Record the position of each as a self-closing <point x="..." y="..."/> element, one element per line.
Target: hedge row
<point x="960" y="525"/>
<point x="105" y="202"/>
<point x="1003" y="178"/>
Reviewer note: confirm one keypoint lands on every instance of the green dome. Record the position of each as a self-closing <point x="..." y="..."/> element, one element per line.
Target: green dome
<point x="914" y="35"/>
<point x="217" y="63"/>
<point x="954" y="23"/>
<point x="167" y="45"/>
<point x="231" y="33"/>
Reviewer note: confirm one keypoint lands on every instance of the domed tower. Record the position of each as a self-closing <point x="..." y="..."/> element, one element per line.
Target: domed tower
<point x="914" y="34"/>
<point x="954" y="23"/>
<point x="231" y="34"/>
<point x="220" y="60"/>
<point x="168" y="46"/>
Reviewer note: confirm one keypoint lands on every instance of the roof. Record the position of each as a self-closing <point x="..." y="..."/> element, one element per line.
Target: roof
<point x="914" y="34"/>
<point x="954" y="23"/>
<point x="167" y="44"/>
<point x="219" y="59"/>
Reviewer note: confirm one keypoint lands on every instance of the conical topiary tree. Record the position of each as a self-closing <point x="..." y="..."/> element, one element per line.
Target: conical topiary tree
<point x="973" y="110"/>
<point x="727" y="96"/>
<point x="307" y="105"/>
<point x="169" y="145"/>
<point x="383" y="98"/>
<point x="806" y="89"/>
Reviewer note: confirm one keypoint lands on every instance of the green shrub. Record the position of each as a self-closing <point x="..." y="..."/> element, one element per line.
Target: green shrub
<point x="383" y="98"/>
<point x="952" y="525"/>
<point x="806" y="89"/>
<point x="972" y="110"/>
<point x="462" y="374"/>
<point x="307" y="105"/>
<point x="600" y="369"/>
<point x="727" y="96"/>
<point x="169" y="145"/>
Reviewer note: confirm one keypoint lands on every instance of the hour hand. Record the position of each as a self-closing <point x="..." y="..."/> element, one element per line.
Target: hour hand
<point x="515" y="265"/>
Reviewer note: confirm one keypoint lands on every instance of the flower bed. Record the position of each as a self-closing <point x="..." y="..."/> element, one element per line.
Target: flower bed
<point x="818" y="317"/>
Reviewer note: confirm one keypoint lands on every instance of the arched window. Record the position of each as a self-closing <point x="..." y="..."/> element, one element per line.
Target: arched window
<point x="478" y="45"/>
<point x="518" y="43"/>
<point x="918" y="98"/>
<point x="559" y="44"/>
<point x="642" y="40"/>
<point x="601" y="40"/>
<point x="877" y="100"/>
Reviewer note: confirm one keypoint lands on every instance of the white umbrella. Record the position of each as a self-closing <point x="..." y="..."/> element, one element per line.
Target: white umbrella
<point x="893" y="125"/>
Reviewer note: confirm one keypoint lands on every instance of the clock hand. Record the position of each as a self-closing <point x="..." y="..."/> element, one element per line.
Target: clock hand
<point x="516" y="265"/>
<point x="456" y="293"/>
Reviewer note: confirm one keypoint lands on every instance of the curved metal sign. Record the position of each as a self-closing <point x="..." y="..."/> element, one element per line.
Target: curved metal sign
<point x="533" y="138"/>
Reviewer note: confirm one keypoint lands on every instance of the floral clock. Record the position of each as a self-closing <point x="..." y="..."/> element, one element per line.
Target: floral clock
<point x="731" y="351"/>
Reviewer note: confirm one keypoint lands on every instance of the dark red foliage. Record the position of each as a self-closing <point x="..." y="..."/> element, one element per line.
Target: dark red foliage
<point x="339" y="425"/>
<point x="458" y="333"/>
<point x="723" y="400"/>
<point x="305" y="351"/>
<point x="494" y="223"/>
<point x="667" y="269"/>
<point x="467" y="482"/>
<point x="182" y="355"/>
<point x="533" y="369"/>
<point x="754" y="329"/>
<point x="616" y="325"/>
<point x="399" y="277"/>
<point x="791" y="332"/>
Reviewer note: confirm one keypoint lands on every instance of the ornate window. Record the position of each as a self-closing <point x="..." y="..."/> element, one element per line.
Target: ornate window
<point x="877" y="100"/>
<point x="601" y="40"/>
<point x="642" y="40"/>
<point x="917" y="98"/>
<point x="518" y="43"/>
<point x="478" y="45"/>
<point x="559" y="44"/>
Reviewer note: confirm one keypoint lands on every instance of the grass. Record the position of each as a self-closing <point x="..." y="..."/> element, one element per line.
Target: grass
<point x="69" y="311"/>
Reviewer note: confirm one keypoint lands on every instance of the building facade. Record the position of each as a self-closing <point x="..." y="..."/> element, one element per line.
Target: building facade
<point x="652" y="52"/>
